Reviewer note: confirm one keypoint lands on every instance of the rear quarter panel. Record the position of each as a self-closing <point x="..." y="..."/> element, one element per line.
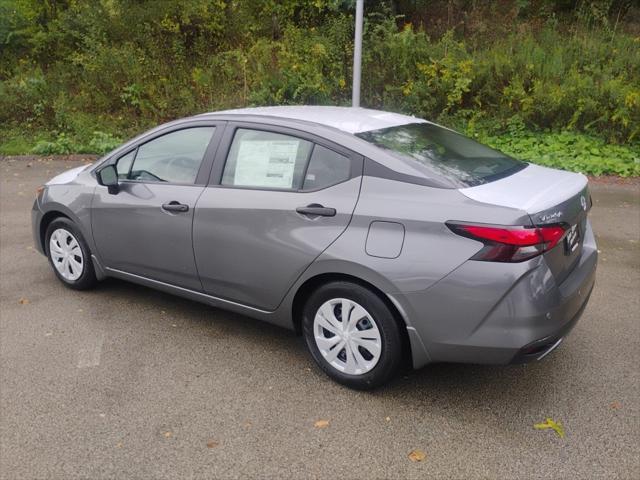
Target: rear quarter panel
<point x="430" y="250"/>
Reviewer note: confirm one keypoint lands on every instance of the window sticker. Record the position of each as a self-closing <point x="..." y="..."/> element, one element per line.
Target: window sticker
<point x="266" y="163"/>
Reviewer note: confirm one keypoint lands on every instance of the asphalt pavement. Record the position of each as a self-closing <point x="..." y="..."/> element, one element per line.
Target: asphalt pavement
<point x="126" y="382"/>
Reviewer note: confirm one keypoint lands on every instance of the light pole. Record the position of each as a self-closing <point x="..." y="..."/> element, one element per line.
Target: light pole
<point x="357" y="55"/>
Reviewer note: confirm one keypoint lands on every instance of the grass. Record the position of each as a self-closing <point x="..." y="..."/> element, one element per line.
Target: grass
<point x="17" y="143"/>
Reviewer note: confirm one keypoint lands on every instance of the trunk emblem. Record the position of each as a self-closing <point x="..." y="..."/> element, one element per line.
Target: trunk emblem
<point x="583" y="202"/>
<point x="550" y="216"/>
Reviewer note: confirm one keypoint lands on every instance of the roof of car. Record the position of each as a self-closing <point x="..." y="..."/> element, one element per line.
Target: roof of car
<point x="347" y="119"/>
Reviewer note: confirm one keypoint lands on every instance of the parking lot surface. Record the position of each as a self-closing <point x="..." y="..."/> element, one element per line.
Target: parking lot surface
<point x="127" y="382"/>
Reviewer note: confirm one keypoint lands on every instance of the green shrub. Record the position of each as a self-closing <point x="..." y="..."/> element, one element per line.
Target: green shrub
<point x="69" y="69"/>
<point x="98" y="143"/>
<point x="62" y="145"/>
<point x="101" y="143"/>
<point x="570" y="151"/>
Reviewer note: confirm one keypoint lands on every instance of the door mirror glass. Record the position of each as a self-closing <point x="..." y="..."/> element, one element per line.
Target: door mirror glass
<point x="108" y="176"/>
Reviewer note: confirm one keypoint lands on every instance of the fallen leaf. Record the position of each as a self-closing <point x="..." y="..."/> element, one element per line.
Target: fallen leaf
<point x="212" y="444"/>
<point x="321" y="423"/>
<point x="615" y="405"/>
<point x="119" y="445"/>
<point x="417" y="455"/>
<point x="168" y="434"/>
<point x="388" y="419"/>
<point x="550" y="424"/>
<point x="23" y="301"/>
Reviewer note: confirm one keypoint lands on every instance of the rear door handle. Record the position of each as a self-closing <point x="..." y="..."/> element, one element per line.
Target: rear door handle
<point x="175" y="207"/>
<point x="317" y="210"/>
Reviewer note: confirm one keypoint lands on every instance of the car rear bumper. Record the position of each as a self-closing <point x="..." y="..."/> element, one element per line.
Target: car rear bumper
<point x="539" y="349"/>
<point x="493" y="313"/>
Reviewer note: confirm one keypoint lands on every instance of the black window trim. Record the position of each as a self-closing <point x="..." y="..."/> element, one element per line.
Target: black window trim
<point x="215" y="180"/>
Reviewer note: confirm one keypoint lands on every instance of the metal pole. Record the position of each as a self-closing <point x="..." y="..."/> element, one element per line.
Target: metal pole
<point x="357" y="55"/>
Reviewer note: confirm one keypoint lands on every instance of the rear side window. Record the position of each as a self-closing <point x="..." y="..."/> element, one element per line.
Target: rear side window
<point x="444" y="153"/>
<point x="262" y="159"/>
<point x="326" y="168"/>
<point x="174" y="157"/>
<point x="266" y="160"/>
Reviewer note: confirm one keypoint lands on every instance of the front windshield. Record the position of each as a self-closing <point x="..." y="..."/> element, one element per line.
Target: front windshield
<point x="445" y="153"/>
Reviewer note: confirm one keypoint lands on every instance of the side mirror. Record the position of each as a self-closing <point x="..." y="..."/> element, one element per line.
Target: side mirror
<point x="108" y="176"/>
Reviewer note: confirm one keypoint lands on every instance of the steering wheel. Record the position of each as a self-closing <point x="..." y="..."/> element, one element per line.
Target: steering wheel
<point x="180" y="164"/>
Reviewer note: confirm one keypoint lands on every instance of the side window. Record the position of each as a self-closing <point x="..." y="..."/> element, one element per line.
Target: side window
<point x="266" y="160"/>
<point x="174" y="157"/>
<point x="326" y="168"/>
<point x="124" y="164"/>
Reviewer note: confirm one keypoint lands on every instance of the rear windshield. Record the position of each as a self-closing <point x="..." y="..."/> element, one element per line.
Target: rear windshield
<point x="444" y="153"/>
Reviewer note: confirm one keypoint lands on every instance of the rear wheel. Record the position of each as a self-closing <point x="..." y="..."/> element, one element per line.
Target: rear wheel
<point x="69" y="254"/>
<point x="352" y="335"/>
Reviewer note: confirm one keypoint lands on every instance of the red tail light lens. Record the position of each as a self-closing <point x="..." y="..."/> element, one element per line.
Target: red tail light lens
<point x="510" y="244"/>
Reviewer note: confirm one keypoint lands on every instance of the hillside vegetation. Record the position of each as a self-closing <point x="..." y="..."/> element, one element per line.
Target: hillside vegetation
<point x="554" y="82"/>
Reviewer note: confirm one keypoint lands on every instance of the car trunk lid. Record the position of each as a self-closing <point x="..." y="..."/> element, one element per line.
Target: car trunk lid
<point x="550" y="197"/>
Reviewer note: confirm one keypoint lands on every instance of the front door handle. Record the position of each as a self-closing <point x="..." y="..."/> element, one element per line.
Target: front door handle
<point x="175" y="207"/>
<point x="315" y="209"/>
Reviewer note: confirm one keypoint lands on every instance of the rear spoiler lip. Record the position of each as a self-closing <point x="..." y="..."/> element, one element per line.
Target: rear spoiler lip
<point x="568" y="212"/>
<point x="534" y="189"/>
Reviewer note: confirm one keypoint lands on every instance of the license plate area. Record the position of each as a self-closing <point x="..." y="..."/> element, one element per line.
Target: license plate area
<point x="572" y="240"/>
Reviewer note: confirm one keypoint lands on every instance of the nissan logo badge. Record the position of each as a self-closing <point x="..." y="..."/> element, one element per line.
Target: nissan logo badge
<point x="583" y="202"/>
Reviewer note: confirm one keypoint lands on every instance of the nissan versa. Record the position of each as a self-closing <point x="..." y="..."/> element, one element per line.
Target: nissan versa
<point x="382" y="238"/>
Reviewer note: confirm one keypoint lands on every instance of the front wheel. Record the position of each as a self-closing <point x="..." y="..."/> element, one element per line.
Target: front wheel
<point x="69" y="254"/>
<point x="352" y="335"/>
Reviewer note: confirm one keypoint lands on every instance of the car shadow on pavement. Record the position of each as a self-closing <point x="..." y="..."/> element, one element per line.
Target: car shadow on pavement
<point x="446" y="387"/>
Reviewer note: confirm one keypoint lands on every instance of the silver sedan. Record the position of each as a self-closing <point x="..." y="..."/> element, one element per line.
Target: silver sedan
<point x="385" y="240"/>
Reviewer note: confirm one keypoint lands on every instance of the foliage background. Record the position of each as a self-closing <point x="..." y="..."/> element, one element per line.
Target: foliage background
<point x="556" y="82"/>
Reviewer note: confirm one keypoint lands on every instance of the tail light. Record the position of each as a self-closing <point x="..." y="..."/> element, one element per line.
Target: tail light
<point x="510" y="244"/>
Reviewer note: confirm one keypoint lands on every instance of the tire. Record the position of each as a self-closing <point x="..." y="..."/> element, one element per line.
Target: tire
<point x="370" y="349"/>
<point x="77" y="273"/>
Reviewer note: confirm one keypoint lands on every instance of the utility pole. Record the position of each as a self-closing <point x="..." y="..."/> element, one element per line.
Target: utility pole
<point x="357" y="55"/>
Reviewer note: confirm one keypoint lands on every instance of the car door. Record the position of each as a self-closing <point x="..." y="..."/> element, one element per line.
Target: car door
<point x="277" y="199"/>
<point x="146" y="228"/>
